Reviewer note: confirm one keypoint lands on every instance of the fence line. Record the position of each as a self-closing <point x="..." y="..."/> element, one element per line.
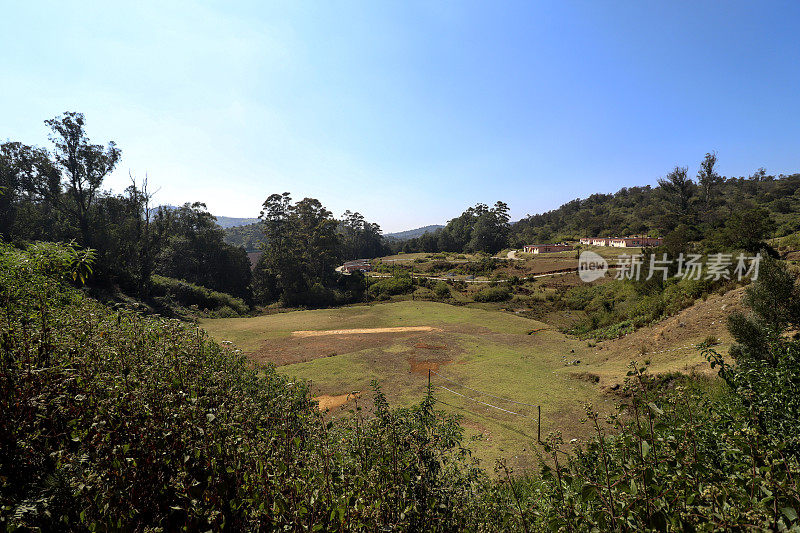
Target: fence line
<point x="484" y="393"/>
<point x="480" y="402"/>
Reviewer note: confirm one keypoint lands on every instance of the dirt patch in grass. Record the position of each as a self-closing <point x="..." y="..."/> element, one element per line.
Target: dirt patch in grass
<point x="432" y="354"/>
<point x="328" y="402"/>
<point x="425" y="344"/>
<point x="361" y="331"/>
<point x="290" y="350"/>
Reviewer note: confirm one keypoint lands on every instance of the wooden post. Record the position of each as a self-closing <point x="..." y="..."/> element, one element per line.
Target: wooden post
<point x="429" y="379"/>
<point x="539" y="424"/>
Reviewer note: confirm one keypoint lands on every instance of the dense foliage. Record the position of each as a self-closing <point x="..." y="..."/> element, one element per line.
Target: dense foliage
<point x="400" y="283"/>
<point x="194" y="250"/>
<point x="493" y="294"/>
<point x="735" y="211"/>
<point x="57" y="195"/>
<point x="620" y="306"/>
<point x="670" y="460"/>
<point x="181" y="293"/>
<point x="302" y="246"/>
<point x="249" y="236"/>
<point x="478" y="229"/>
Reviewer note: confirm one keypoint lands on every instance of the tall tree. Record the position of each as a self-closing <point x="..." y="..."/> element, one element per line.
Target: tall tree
<point x="490" y="229"/>
<point x="360" y="238"/>
<point x="679" y="189"/>
<point x="149" y="230"/>
<point x="83" y="167"/>
<point x="30" y="182"/>
<point x="709" y="179"/>
<point x="301" y="251"/>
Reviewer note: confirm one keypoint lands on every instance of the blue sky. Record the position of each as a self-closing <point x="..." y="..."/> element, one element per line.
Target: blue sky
<point x="408" y="112"/>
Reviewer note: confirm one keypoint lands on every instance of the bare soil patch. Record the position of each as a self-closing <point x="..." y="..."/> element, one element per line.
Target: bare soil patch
<point x="398" y="329"/>
<point x="299" y="349"/>
<point x="290" y="350"/>
<point x="426" y="346"/>
<point x="328" y="402"/>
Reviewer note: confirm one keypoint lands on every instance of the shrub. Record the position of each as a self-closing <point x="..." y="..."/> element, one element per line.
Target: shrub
<point x="398" y="284"/>
<point x="188" y="294"/>
<point x="442" y="290"/>
<point x="492" y="294"/>
<point x="670" y="461"/>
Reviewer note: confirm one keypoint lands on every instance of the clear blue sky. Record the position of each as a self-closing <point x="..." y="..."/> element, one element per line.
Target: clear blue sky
<point x="408" y="112"/>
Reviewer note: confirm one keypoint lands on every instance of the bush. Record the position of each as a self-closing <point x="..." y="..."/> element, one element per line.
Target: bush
<point x="492" y="294"/>
<point x="188" y="294"/>
<point x="398" y="284"/>
<point x="670" y="460"/>
<point x="442" y="290"/>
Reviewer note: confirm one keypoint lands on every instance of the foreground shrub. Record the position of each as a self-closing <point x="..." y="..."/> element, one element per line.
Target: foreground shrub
<point x="668" y="461"/>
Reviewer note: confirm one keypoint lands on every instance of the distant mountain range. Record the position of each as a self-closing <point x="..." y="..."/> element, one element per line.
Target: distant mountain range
<point x="223" y="222"/>
<point x="412" y="233"/>
<point x="233" y="222"/>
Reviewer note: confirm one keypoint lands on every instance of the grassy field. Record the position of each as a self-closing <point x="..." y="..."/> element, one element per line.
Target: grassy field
<point x="491" y="351"/>
<point x="494" y="352"/>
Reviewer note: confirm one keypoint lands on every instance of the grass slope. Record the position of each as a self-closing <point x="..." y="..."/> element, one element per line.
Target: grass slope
<point x="494" y="352"/>
<point x="487" y="350"/>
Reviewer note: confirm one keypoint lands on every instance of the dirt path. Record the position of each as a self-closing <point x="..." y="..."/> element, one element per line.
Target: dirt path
<point x="399" y="329"/>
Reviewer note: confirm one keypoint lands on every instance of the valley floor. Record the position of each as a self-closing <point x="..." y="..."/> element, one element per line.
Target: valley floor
<point x="479" y="360"/>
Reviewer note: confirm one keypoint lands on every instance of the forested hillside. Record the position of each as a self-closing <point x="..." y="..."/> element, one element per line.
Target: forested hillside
<point x="710" y="207"/>
<point x="703" y="206"/>
<point x="249" y="236"/>
<point x="233" y="222"/>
